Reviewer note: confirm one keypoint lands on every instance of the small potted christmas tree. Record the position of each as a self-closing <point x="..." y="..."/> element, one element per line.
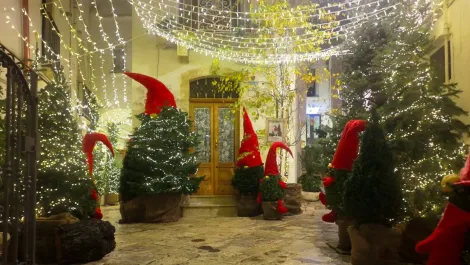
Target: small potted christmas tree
<point x="338" y="172"/>
<point x="159" y="165"/>
<point x="372" y="197"/>
<point x="272" y="187"/>
<point x="248" y="172"/>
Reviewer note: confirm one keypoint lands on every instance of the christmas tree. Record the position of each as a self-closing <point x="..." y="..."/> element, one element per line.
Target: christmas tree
<point x="389" y="62"/>
<point x="63" y="183"/>
<point x="372" y="194"/>
<point x="158" y="159"/>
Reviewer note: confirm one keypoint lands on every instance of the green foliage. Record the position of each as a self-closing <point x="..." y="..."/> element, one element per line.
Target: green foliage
<point x="158" y="159"/>
<point x="246" y="180"/>
<point x="389" y="63"/>
<point x="270" y="189"/>
<point x="372" y="194"/>
<point x="310" y="183"/>
<point x="335" y="193"/>
<point x="65" y="193"/>
<point x="63" y="183"/>
<point x="316" y="157"/>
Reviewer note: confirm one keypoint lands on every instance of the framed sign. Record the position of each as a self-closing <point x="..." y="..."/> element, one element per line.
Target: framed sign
<point x="276" y="130"/>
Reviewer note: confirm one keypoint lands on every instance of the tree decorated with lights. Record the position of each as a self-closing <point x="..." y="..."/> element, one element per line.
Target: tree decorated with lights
<point x="158" y="159"/>
<point x="63" y="183"/>
<point x="389" y="63"/>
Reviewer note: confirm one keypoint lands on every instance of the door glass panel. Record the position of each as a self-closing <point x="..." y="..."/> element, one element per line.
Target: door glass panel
<point x="226" y="136"/>
<point x="202" y="124"/>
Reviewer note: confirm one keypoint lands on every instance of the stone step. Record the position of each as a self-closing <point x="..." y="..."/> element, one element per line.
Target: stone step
<point x="210" y="206"/>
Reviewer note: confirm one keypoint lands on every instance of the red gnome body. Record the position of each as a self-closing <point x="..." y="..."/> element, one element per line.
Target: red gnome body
<point x="271" y="169"/>
<point x="158" y="95"/>
<point x="446" y="243"/>
<point x="346" y="153"/>
<point x="89" y="142"/>
<point x="249" y="155"/>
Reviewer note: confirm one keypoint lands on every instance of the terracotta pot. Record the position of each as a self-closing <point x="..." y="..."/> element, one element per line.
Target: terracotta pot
<point x="112" y="199"/>
<point x="293" y="198"/>
<point x="162" y="208"/>
<point x="344" y="241"/>
<point x="101" y="200"/>
<point x="374" y="244"/>
<point x="247" y="206"/>
<point x="310" y="196"/>
<point x="270" y="211"/>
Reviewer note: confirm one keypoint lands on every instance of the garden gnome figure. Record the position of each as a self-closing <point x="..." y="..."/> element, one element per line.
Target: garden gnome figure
<point x="446" y="243"/>
<point x="89" y="142"/>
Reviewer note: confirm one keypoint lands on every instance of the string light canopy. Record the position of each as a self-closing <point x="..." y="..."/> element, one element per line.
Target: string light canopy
<point x="261" y="32"/>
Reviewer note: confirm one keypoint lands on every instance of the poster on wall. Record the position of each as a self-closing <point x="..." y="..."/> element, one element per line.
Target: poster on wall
<point x="275" y="130"/>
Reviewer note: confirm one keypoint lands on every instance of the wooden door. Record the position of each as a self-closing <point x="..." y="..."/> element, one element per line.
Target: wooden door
<point x="218" y="130"/>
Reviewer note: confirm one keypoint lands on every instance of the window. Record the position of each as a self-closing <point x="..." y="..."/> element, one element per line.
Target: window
<point x="208" y="87"/>
<point x="312" y="90"/>
<point x="438" y="64"/>
<point x="119" y="60"/>
<point x="449" y="60"/>
<point x="50" y="34"/>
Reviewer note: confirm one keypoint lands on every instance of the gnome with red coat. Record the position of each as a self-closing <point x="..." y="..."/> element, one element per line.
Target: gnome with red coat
<point x="450" y="238"/>
<point x="339" y="171"/>
<point x="248" y="171"/>
<point x="89" y="142"/>
<point x="272" y="186"/>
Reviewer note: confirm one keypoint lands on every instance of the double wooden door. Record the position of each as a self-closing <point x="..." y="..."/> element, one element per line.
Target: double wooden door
<point x="218" y="130"/>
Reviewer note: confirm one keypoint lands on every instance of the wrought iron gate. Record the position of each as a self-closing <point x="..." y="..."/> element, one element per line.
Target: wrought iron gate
<point x="19" y="158"/>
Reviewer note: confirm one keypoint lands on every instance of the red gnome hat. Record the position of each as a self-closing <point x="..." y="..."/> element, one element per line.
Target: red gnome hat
<point x="158" y="95"/>
<point x="348" y="145"/>
<point x="89" y="142"/>
<point x="465" y="174"/>
<point x="249" y="149"/>
<point x="271" y="169"/>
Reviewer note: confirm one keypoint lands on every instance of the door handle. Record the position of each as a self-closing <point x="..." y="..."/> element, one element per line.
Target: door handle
<point x="216" y="145"/>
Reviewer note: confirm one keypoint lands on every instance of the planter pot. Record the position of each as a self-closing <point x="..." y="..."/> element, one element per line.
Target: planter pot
<point x="112" y="199"/>
<point x="344" y="241"/>
<point x="293" y="198"/>
<point x="162" y="208"/>
<point x="310" y="196"/>
<point x="374" y="244"/>
<point x="415" y="231"/>
<point x="270" y="211"/>
<point x="101" y="200"/>
<point x="247" y="206"/>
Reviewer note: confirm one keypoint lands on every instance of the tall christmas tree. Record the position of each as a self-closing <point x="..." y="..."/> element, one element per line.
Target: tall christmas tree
<point x="63" y="183"/>
<point x="389" y="63"/>
<point x="158" y="159"/>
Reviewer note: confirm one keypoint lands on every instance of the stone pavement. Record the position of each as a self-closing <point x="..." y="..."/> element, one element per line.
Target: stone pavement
<point x="297" y="239"/>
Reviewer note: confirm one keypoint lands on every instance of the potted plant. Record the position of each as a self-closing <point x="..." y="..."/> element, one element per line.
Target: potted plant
<point x="159" y="163"/>
<point x="373" y="199"/>
<point x="271" y="191"/>
<point x="248" y="172"/>
<point x="310" y="187"/>
<point x="338" y="172"/>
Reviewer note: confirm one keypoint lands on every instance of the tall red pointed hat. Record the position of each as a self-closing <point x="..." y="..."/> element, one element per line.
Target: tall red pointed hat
<point x="465" y="174"/>
<point x="270" y="167"/>
<point x="249" y="154"/>
<point x="89" y="142"/>
<point x="158" y="95"/>
<point x="348" y="145"/>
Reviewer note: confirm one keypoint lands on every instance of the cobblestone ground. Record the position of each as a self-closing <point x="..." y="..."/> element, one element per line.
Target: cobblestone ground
<point x="297" y="239"/>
